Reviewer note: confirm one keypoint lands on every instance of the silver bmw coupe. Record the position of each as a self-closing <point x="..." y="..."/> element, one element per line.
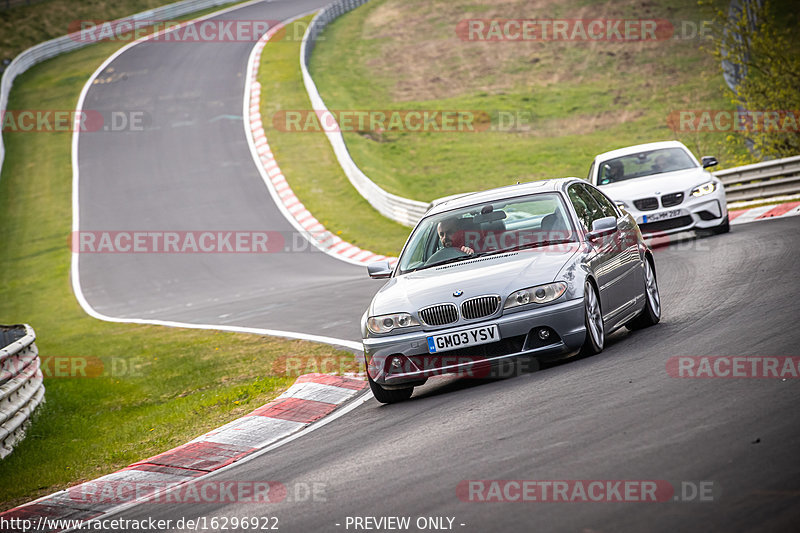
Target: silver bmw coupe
<point x="537" y="270"/>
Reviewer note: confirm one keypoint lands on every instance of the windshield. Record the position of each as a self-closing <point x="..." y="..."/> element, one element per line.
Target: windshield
<point x="490" y="228"/>
<point x="643" y="164"/>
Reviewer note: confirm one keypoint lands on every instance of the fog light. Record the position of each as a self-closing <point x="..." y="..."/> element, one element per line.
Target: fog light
<point x="397" y="362"/>
<point x="544" y="334"/>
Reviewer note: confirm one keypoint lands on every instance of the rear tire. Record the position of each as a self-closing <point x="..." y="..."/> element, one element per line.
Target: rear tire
<point x="389" y="395"/>
<point x="651" y="314"/>
<point x="593" y="319"/>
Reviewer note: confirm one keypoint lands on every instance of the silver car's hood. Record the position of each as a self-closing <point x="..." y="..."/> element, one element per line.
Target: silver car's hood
<point x="499" y="274"/>
<point x="657" y="184"/>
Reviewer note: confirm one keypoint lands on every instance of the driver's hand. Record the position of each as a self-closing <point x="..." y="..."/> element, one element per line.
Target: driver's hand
<point x="467" y="250"/>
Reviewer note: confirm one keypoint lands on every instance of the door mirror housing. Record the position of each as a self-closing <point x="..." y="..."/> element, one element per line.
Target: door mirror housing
<point x="602" y="227"/>
<point x="709" y="161"/>
<point x="379" y="270"/>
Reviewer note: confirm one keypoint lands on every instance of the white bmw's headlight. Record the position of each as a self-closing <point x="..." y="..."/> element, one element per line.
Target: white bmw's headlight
<point x="386" y="323"/>
<point x="540" y="294"/>
<point x="706" y="188"/>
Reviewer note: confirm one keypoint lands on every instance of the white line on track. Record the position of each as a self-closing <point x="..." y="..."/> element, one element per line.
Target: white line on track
<point x="75" y="263"/>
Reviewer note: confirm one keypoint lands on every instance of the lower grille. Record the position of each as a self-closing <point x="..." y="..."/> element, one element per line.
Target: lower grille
<point x="480" y="307"/>
<point x="646" y="204"/>
<point x="665" y="225"/>
<point x="439" y="315"/>
<point x="668" y="200"/>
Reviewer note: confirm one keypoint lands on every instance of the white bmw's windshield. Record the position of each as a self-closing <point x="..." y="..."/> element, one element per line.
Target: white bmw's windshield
<point x="643" y="164"/>
<point x="493" y="227"/>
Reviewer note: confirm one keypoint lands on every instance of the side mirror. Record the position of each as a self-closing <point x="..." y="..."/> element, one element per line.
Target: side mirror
<point x="709" y="161"/>
<point x="602" y="227"/>
<point x="379" y="270"/>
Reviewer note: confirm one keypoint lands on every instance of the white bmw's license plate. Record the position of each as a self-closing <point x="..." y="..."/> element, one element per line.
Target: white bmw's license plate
<point x="465" y="337"/>
<point x="674" y="213"/>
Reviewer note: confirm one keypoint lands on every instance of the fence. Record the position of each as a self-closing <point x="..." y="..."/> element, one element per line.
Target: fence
<point x="21" y="384"/>
<point x="762" y="180"/>
<point x="397" y="208"/>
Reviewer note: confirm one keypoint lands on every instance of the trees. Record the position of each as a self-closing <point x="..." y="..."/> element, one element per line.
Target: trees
<point x="760" y="57"/>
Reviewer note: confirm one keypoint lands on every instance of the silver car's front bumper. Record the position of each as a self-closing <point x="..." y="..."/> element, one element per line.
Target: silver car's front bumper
<point x="566" y="319"/>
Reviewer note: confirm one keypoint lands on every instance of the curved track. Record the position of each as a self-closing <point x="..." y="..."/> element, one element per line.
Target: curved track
<point x="190" y="169"/>
<point x="617" y="415"/>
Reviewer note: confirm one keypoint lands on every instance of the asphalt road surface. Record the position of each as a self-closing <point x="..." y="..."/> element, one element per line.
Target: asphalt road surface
<point x="615" y="416"/>
<point x="189" y="168"/>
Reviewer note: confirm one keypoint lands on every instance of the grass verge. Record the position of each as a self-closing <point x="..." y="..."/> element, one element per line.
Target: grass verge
<point x="23" y="26"/>
<point x="307" y="159"/>
<point x="562" y="102"/>
<point x="158" y="387"/>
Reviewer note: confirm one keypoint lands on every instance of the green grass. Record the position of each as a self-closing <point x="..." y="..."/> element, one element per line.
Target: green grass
<point x="578" y="98"/>
<point x="24" y="26"/>
<point x="186" y="381"/>
<point x="307" y="159"/>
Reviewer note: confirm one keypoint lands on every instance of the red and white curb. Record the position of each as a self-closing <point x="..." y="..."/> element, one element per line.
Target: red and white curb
<point x="291" y="207"/>
<point x="311" y="398"/>
<point x="743" y="216"/>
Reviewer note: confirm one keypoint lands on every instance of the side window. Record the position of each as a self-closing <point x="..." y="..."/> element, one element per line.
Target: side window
<point x="585" y="206"/>
<point x="589" y="176"/>
<point x="608" y="208"/>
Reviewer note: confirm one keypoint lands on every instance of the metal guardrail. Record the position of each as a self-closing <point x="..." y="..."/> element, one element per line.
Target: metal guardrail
<point x="761" y="180"/>
<point x="21" y="384"/>
<point x="397" y="208"/>
<point x="67" y="43"/>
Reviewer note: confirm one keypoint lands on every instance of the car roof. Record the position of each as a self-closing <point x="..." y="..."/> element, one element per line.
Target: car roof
<point x="628" y="150"/>
<point x="492" y="195"/>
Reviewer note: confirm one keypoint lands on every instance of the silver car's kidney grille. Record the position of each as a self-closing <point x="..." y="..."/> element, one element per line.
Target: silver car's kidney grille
<point x="646" y="204"/>
<point x="439" y="315"/>
<point x="480" y="307"/>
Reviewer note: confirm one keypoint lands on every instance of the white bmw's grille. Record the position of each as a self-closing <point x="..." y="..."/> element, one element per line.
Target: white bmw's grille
<point x="439" y="315"/>
<point x="480" y="307"/>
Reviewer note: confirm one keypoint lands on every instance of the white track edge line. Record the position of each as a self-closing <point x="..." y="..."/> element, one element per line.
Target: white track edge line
<point x="74" y="264"/>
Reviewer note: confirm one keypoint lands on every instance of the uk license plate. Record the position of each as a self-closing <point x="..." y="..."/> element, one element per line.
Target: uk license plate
<point x="674" y="213"/>
<point x="465" y="337"/>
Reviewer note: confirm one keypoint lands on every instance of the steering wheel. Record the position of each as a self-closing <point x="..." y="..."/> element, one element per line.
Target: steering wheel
<point x="444" y="254"/>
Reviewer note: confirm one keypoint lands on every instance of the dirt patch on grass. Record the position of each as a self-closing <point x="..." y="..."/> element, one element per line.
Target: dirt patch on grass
<point x="420" y="52"/>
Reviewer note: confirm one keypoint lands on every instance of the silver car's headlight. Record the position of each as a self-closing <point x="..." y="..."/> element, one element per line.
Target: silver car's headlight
<point x="386" y="323"/>
<point x="541" y="294"/>
<point x="706" y="188"/>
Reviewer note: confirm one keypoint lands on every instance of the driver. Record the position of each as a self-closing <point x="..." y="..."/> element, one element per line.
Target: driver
<point x="447" y="230"/>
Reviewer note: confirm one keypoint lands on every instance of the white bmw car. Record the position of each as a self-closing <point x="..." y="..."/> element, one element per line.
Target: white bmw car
<point x="663" y="187"/>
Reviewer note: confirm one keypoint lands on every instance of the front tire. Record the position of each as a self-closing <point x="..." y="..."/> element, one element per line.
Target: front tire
<point x="389" y="395"/>
<point x="593" y="318"/>
<point x="725" y="227"/>
<point x="651" y="314"/>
